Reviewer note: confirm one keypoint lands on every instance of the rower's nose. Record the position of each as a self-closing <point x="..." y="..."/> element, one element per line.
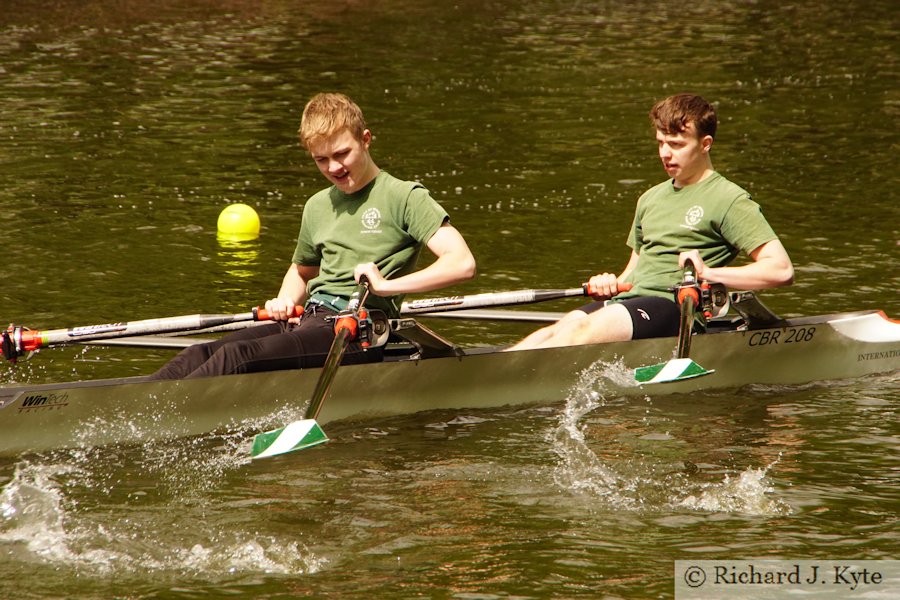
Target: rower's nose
<point x="335" y="167"/>
<point x="664" y="151"/>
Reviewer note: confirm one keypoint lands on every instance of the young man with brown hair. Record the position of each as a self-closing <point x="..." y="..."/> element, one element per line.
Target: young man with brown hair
<point x="367" y="223"/>
<point x="697" y="214"/>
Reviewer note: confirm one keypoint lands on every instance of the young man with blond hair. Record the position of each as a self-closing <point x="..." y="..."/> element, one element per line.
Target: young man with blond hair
<point x="696" y="214"/>
<point x="366" y="223"/>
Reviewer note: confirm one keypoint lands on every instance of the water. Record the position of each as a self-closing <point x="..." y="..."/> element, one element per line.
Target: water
<point x="592" y="495"/>
<point x="126" y="129"/>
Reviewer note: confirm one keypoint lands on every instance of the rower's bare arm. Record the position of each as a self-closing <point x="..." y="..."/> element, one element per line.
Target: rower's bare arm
<point x="454" y="264"/>
<point x="771" y="267"/>
<point x="292" y="292"/>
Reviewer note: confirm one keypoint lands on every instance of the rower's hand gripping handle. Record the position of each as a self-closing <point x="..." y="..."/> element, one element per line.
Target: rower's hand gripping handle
<point x="355" y="318"/>
<point x="261" y="314"/>
<point x="703" y="294"/>
<point x="590" y="290"/>
<point x="689" y="288"/>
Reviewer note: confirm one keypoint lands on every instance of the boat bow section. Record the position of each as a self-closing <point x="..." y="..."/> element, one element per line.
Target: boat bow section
<point x="874" y="327"/>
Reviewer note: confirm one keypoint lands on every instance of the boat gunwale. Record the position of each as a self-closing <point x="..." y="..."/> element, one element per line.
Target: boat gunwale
<point x="724" y="325"/>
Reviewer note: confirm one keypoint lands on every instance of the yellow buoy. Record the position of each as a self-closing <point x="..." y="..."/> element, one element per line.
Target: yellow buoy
<point x="238" y="222"/>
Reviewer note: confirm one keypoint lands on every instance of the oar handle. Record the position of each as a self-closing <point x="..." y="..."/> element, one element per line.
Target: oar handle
<point x="350" y="318"/>
<point x="359" y="297"/>
<point x="689" y="288"/>
<point x="590" y="291"/>
<point x="261" y="314"/>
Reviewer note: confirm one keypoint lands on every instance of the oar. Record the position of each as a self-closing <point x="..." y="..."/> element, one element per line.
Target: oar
<point x="458" y="307"/>
<point x="448" y="303"/>
<point x="681" y="367"/>
<point x="18" y="340"/>
<point x="307" y="432"/>
<point x="498" y="314"/>
<point x="159" y="342"/>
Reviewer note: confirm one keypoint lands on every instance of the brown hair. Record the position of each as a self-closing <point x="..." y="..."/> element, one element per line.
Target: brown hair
<point x="327" y="114"/>
<point x="672" y="115"/>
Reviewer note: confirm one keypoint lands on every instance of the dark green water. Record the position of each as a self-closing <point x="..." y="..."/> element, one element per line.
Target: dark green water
<point x="125" y="129"/>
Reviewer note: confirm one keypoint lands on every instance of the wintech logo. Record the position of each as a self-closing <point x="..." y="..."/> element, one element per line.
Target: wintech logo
<point x="36" y="402"/>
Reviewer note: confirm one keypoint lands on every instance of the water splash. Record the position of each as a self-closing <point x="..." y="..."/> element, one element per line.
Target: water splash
<point x="250" y="557"/>
<point x="32" y="511"/>
<point x="186" y="466"/>
<point x="193" y="466"/>
<point x="579" y="468"/>
<point x="76" y="514"/>
<point x="748" y="493"/>
<point x="648" y="484"/>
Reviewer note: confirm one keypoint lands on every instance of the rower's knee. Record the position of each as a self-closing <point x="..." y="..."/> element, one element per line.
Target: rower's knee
<point x="612" y="323"/>
<point x="547" y="335"/>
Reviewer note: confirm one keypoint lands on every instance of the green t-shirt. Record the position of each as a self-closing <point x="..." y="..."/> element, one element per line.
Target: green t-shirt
<point x="714" y="216"/>
<point x="387" y="223"/>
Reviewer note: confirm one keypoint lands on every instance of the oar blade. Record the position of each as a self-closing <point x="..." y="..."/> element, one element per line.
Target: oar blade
<point x="676" y="369"/>
<point x="295" y="436"/>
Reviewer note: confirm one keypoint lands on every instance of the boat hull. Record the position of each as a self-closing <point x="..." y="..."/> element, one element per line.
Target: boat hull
<point x="51" y="416"/>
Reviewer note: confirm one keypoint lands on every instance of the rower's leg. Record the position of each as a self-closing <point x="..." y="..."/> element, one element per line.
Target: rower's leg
<point x="193" y="357"/>
<point x="612" y="323"/>
<point x="542" y="335"/>
<point x="304" y="346"/>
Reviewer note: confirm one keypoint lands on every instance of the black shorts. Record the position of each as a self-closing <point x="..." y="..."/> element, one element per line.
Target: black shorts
<point x="651" y="316"/>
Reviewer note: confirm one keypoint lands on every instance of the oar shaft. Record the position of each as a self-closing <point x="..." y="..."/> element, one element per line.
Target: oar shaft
<point x="345" y="329"/>
<point x="40" y="339"/>
<point x="688" y="297"/>
<point x="688" y="308"/>
<point x="27" y="340"/>
<point x="448" y="303"/>
<point x="306" y="432"/>
<point x="329" y="370"/>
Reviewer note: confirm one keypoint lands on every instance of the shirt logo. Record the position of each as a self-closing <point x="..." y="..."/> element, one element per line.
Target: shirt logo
<point x="692" y="217"/>
<point x="371" y="220"/>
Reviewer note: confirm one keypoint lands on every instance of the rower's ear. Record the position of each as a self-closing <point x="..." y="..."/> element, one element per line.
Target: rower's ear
<point x="706" y="143"/>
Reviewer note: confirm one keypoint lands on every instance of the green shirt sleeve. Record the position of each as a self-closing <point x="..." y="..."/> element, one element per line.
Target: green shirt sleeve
<point x="423" y="215"/>
<point x="745" y="227"/>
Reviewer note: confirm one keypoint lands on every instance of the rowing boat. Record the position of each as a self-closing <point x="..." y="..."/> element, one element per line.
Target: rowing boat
<point x="423" y="371"/>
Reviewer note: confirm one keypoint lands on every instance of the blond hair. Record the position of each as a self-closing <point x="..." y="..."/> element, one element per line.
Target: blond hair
<point x="327" y="114"/>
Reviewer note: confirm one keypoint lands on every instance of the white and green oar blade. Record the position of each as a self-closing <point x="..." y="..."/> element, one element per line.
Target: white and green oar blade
<point x="673" y="370"/>
<point x="295" y="436"/>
